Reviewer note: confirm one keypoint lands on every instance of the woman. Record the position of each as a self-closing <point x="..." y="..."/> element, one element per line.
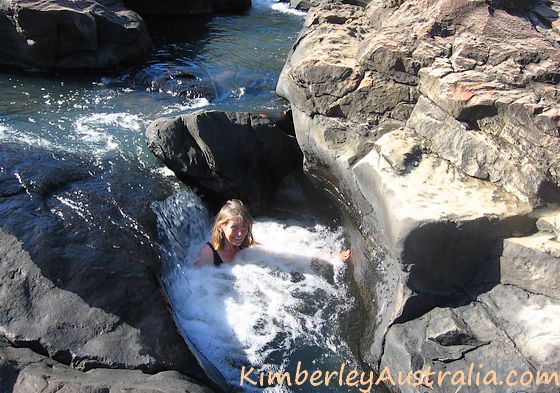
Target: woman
<point x="232" y="232"/>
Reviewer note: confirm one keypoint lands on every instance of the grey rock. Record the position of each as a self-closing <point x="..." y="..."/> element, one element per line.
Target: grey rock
<point x="478" y="154"/>
<point x="532" y="263"/>
<point x="30" y="372"/>
<point x="489" y="350"/>
<point x="226" y="154"/>
<point x="437" y="121"/>
<point x="71" y="35"/>
<point x="530" y="321"/>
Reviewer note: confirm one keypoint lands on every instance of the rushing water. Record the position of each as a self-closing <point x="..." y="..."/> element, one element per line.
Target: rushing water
<point x="283" y="302"/>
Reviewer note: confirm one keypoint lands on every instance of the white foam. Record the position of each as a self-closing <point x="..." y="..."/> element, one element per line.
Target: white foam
<point x="10" y="134"/>
<point x="274" y="299"/>
<point x="95" y="129"/>
<point x="182" y="107"/>
<point x="285" y="8"/>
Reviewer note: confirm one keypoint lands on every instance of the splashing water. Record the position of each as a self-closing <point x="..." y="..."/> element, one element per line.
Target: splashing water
<point x="280" y="302"/>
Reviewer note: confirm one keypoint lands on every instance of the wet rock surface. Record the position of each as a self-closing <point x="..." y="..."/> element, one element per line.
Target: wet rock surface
<point x="438" y="121"/>
<point x="81" y="34"/>
<point x="227" y="154"/>
<point x="80" y="267"/>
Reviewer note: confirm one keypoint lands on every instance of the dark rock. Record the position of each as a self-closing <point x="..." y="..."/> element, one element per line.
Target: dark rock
<point x="225" y="154"/>
<point x="183" y="81"/>
<point x="186" y="7"/>
<point x="78" y="264"/>
<point x="71" y="35"/>
<point x="22" y="371"/>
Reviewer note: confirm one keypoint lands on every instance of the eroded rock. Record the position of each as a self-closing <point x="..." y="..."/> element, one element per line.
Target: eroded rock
<point x="74" y="285"/>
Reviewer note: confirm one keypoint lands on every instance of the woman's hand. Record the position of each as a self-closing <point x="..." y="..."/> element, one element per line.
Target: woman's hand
<point x="345" y="255"/>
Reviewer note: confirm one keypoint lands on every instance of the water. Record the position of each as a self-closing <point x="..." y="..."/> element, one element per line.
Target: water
<point x="272" y="307"/>
<point x="282" y="302"/>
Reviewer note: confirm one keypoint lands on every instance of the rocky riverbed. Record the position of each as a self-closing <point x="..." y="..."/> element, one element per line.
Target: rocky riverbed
<point x="434" y="122"/>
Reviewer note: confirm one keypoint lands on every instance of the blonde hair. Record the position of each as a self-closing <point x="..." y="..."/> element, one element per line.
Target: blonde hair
<point x="233" y="208"/>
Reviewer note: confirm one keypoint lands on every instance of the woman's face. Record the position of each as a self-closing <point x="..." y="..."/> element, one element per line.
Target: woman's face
<point x="234" y="231"/>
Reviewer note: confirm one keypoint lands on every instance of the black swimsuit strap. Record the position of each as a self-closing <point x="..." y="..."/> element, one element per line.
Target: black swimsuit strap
<point x="217" y="259"/>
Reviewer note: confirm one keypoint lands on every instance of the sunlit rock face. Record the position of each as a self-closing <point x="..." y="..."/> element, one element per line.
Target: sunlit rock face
<point x="41" y="35"/>
<point x="438" y="121"/>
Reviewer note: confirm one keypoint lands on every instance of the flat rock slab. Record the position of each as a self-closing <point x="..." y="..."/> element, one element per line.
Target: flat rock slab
<point x="530" y="320"/>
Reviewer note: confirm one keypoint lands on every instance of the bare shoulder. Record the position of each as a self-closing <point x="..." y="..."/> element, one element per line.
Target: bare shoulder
<point x="204" y="257"/>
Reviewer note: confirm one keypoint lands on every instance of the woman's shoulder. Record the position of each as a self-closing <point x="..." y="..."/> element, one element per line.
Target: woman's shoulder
<point x="205" y="256"/>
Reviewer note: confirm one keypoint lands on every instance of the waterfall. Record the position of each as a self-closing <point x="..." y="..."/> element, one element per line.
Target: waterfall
<point x="279" y="303"/>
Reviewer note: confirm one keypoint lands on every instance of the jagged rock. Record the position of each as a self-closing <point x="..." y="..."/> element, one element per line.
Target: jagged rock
<point x="550" y="222"/>
<point x="500" y="332"/>
<point x="186" y="7"/>
<point x="226" y="154"/>
<point x="85" y="34"/>
<point x="25" y="371"/>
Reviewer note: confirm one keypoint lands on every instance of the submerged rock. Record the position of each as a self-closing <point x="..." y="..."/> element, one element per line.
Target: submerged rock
<point x="85" y="34"/>
<point x="439" y="123"/>
<point x="226" y="154"/>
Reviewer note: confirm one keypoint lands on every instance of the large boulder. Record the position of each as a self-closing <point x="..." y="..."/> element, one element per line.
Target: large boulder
<point x="85" y="34"/>
<point x="226" y="154"/>
<point x="186" y="7"/>
<point x="439" y="122"/>
<point x="79" y="264"/>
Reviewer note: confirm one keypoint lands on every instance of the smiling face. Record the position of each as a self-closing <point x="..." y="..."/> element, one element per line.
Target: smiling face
<point x="234" y="231"/>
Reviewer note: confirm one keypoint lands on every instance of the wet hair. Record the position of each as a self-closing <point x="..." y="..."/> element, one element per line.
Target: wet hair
<point x="232" y="209"/>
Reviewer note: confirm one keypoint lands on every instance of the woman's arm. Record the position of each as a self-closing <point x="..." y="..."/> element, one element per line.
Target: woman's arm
<point x="204" y="257"/>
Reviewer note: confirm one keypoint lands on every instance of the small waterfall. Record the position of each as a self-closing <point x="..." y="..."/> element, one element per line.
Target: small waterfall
<point x="280" y="303"/>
